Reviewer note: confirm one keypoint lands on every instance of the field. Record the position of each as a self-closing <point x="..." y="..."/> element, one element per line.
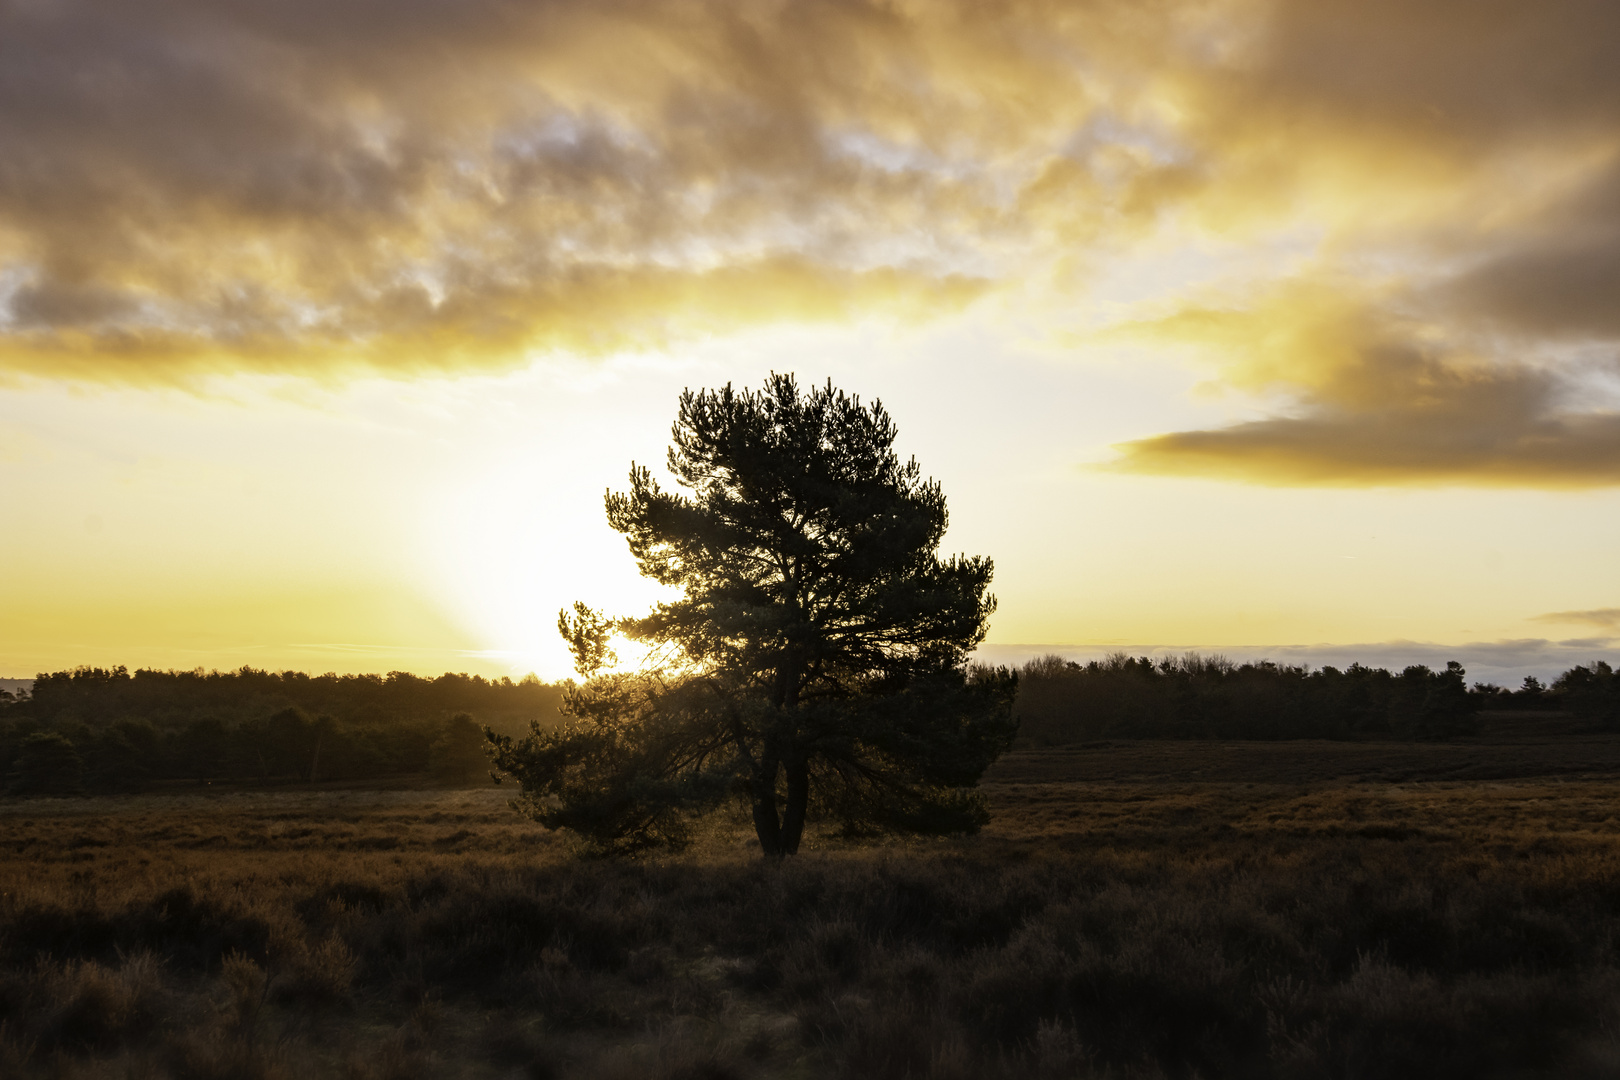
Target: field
<point x="1136" y="909"/>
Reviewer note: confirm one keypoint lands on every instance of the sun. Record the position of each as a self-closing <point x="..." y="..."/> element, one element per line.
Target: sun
<point x="504" y="563"/>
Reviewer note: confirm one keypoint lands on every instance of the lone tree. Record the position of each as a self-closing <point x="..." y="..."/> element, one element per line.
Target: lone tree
<point x="816" y="663"/>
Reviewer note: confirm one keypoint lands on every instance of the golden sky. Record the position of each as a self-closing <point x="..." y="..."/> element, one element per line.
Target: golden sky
<point x="1233" y="325"/>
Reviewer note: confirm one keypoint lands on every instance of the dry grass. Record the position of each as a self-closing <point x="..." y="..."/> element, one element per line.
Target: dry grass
<point x="1138" y="910"/>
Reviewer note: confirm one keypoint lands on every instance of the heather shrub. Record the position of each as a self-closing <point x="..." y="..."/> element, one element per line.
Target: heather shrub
<point x="1164" y="930"/>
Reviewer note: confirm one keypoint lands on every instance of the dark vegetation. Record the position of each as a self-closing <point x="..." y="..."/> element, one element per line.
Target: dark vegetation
<point x="1143" y="909"/>
<point x="815" y="665"/>
<point x="1198" y="697"/>
<point x="98" y="730"/>
<point x="107" y="730"/>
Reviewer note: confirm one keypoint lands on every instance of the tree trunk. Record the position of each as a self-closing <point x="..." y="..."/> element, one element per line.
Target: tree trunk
<point x="798" y="800"/>
<point x="766" y="824"/>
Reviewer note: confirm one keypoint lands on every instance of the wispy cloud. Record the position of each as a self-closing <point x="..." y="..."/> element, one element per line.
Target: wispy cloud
<point x="1604" y="618"/>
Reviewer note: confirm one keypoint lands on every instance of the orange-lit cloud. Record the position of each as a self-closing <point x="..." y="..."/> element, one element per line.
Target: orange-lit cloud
<point x="449" y="184"/>
<point x="482" y="323"/>
<point x="1377" y="396"/>
<point x="1458" y="326"/>
<point x="445" y="185"/>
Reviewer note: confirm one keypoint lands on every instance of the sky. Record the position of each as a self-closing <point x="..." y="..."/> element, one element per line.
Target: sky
<point x="1278" y="328"/>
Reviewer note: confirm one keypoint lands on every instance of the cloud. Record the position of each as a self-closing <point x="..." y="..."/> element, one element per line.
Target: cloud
<point x="460" y="184"/>
<point x="1603" y="618"/>
<point x="1459" y="326"/>
<point x="1392" y="447"/>
<point x="1470" y="72"/>
<point x="487" y="320"/>
<point x="447" y="183"/>
<point x="1554" y="276"/>
<point x="1373" y="395"/>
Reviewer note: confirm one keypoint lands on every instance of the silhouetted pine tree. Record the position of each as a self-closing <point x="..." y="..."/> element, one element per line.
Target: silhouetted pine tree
<point x="816" y="661"/>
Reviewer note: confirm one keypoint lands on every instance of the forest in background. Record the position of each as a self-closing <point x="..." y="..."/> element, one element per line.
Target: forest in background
<point x="110" y="730"/>
<point x="98" y="730"/>
<point x="1208" y="697"/>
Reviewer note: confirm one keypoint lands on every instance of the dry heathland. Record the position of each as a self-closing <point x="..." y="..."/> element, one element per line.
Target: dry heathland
<point x="1135" y="910"/>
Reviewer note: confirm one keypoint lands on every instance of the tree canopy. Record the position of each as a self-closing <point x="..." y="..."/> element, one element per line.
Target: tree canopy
<point x="816" y="660"/>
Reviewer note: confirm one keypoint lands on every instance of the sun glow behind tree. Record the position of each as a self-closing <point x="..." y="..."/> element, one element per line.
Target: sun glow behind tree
<point x="300" y="306"/>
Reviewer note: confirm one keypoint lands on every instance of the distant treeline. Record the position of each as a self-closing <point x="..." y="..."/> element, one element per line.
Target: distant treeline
<point x="1191" y="697"/>
<point x="109" y="730"/>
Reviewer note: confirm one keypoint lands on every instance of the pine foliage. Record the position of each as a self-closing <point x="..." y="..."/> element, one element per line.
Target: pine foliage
<point x="815" y="662"/>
